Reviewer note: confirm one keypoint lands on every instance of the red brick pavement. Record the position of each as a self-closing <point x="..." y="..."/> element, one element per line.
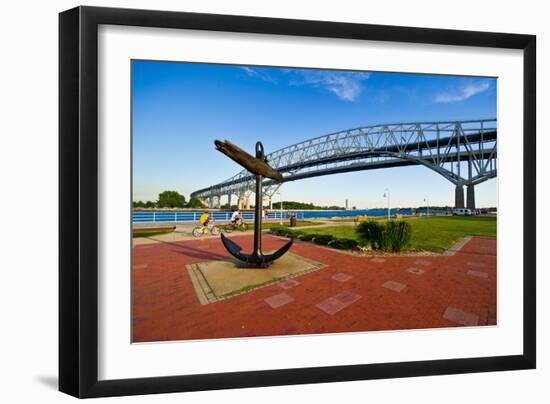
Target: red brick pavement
<point x="166" y="307"/>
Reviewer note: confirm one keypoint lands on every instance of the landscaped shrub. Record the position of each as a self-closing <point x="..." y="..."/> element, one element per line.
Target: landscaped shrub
<point x="283" y="231"/>
<point x="291" y="233"/>
<point x="306" y="237"/>
<point x="371" y="232"/>
<point x="389" y="236"/>
<point x="322" y="239"/>
<point x="343" y="243"/>
<point x="398" y="235"/>
<point x="278" y="230"/>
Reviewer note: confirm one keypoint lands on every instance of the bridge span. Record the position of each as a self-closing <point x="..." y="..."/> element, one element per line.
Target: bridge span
<point x="463" y="152"/>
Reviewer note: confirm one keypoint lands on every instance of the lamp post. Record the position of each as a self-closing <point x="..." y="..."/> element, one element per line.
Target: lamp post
<point x="427" y="205"/>
<point x="387" y="195"/>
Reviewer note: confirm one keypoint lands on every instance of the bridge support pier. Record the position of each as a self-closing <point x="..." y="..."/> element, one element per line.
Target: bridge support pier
<point x="244" y="202"/>
<point x="470" y="197"/>
<point x="459" y="196"/>
<point x="229" y="200"/>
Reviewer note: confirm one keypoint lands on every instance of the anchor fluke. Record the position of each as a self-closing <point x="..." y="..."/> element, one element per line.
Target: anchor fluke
<point x="260" y="260"/>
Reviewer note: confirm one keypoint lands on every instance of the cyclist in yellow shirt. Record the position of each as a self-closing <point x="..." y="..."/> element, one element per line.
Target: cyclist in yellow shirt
<point x="204" y="219"/>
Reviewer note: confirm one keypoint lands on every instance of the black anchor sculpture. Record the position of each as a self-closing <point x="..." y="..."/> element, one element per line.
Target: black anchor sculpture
<point x="260" y="168"/>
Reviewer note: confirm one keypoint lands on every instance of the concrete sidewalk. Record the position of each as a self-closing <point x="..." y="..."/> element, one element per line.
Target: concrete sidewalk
<point x="183" y="232"/>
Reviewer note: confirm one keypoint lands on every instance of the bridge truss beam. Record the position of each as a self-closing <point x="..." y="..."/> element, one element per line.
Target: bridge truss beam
<point x="463" y="152"/>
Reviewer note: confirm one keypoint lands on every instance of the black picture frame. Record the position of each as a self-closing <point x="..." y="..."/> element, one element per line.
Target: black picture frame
<point x="78" y="201"/>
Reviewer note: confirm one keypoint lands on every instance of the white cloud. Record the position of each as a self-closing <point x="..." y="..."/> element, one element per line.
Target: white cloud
<point x="258" y="74"/>
<point x="464" y="93"/>
<point x="345" y="85"/>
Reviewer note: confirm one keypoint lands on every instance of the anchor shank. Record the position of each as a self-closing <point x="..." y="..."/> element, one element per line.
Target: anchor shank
<point x="256" y="258"/>
<point x="258" y="218"/>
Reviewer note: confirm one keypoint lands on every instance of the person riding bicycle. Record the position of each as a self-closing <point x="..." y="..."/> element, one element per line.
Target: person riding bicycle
<point x="204" y="219"/>
<point x="236" y="218"/>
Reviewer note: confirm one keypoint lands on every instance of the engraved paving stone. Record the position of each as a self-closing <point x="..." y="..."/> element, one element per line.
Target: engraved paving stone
<point x="278" y="300"/>
<point x="331" y="305"/>
<point x="479" y="274"/>
<point x="423" y="262"/>
<point x="476" y="264"/>
<point x="347" y="297"/>
<point x="379" y="260"/>
<point x="416" y="271"/>
<point x="395" y="286"/>
<point x="336" y="303"/>
<point x="460" y="316"/>
<point x="140" y="266"/>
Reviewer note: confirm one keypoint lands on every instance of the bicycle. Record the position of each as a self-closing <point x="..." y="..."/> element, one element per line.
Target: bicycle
<point x="242" y="226"/>
<point x="210" y="228"/>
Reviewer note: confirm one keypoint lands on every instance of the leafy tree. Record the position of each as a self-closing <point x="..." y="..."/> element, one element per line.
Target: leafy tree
<point x="150" y="204"/>
<point x="171" y="199"/>
<point x="195" y="203"/>
<point x="138" y="204"/>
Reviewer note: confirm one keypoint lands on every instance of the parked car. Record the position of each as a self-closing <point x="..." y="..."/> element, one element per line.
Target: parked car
<point x="462" y="212"/>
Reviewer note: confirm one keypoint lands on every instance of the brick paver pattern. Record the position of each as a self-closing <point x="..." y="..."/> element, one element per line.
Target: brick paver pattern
<point x="342" y="277"/>
<point x="165" y="306"/>
<point x="289" y="284"/>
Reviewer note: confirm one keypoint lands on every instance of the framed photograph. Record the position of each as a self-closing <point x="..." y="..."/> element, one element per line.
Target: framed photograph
<point x="251" y="201"/>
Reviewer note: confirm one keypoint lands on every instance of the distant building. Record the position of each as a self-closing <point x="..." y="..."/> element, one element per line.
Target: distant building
<point x="347" y="204"/>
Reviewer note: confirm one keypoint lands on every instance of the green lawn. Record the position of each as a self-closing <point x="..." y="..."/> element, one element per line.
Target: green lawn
<point x="434" y="234"/>
<point x="139" y="234"/>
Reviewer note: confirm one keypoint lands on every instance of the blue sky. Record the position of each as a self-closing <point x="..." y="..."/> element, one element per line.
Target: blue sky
<point x="180" y="108"/>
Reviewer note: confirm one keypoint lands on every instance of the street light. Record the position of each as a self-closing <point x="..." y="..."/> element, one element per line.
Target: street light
<point x="427" y="205"/>
<point x="387" y="195"/>
<point x="280" y="206"/>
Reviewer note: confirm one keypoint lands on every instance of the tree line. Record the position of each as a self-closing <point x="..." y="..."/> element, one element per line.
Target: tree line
<point x="169" y="199"/>
<point x="173" y="199"/>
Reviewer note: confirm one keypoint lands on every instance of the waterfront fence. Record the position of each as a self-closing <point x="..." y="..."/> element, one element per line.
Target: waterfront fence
<point x="193" y="217"/>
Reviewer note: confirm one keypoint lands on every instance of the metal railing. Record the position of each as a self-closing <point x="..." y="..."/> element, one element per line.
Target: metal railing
<point x="193" y="217"/>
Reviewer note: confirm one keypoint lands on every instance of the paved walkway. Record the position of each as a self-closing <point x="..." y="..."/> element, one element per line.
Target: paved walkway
<point x="350" y="294"/>
<point x="184" y="231"/>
